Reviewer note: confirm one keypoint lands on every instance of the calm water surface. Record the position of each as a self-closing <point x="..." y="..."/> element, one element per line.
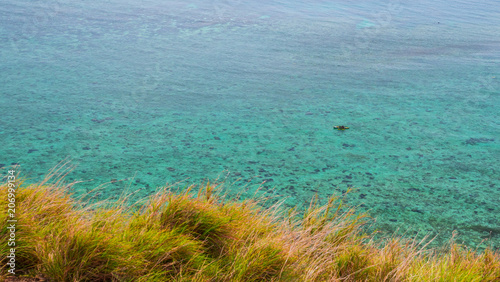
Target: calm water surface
<point x="150" y="92"/>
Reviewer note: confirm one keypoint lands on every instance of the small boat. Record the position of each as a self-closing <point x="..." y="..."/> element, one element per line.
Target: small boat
<point x="341" y="127"/>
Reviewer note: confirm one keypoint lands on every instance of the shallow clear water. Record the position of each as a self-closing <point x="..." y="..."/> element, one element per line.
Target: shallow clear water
<point x="150" y="92"/>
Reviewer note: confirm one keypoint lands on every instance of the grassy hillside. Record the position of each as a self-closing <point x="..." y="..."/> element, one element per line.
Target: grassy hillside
<point x="197" y="235"/>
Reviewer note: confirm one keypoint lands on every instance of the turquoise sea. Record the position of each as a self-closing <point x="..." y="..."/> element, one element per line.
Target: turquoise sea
<point x="138" y="94"/>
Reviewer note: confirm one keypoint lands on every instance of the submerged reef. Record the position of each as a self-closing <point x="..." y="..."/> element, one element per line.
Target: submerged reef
<point x="474" y="141"/>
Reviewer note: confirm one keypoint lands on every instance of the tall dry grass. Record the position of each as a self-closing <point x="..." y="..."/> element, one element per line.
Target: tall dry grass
<point x="201" y="236"/>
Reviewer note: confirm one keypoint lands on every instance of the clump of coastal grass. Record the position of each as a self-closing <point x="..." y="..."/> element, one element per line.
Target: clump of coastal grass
<point x="202" y="236"/>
